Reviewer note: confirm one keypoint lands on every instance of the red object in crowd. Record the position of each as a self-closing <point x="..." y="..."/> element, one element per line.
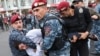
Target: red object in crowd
<point x="38" y="3"/>
<point x="30" y="11"/>
<point x="54" y="5"/>
<point x="63" y="5"/>
<point x="5" y="20"/>
<point x="14" y="18"/>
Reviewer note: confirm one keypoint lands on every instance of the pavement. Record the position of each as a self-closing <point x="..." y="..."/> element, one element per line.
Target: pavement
<point x="4" y="44"/>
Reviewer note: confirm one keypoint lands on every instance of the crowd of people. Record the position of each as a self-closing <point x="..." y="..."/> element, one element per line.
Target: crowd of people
<point x="4" y="23"/>
<point x="62" y="32"/>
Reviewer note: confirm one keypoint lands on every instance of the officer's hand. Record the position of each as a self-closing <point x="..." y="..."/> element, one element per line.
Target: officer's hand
<point x="94" y="17"/>
<point x="74" y="39"/>
<point x="22" y="46"/>
<point x="83" y="35"/>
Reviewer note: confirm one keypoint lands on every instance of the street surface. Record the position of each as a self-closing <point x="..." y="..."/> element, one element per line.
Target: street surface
<point x="4" y="44"/>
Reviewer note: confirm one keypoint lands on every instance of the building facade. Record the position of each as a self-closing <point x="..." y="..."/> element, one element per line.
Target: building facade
<point x="7" y="6"/>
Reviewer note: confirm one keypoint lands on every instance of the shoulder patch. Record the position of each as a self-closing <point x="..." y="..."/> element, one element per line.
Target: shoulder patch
<point x="47" y="30"/>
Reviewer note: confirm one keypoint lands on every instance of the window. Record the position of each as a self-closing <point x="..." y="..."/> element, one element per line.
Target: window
<point x="15" y="3"/>
<point x="22" y="2"/>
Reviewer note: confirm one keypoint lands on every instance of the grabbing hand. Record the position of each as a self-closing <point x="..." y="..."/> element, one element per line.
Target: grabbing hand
<point x="74" y="39"/>
<point x="83" y="35"/>
<point x="22" y="46"/>
<point x="94" y="17"/>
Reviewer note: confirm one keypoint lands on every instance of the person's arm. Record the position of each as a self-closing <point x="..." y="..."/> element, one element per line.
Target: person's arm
<point x="89" y="23"/>
<point x="88" y="19"/>
<point x="51" y="28"/>
<point x="94" y="14"/>
<point x="22" y="39"/>
<point x="14" y="51"/>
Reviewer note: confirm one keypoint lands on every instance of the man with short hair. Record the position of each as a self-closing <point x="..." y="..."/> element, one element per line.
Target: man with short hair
<point x="77" y="27"/>
<point x="17" y="40"/>
<point x="51" y="29"/>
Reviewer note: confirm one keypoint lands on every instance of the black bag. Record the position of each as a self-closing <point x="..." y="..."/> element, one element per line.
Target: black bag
<point x="93" y="37"/>
<point x="59" y="41"/>
<point x="58" y="44"/>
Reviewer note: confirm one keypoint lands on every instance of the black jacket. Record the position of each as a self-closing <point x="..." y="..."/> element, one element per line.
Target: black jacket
<point x="80" y="22"/>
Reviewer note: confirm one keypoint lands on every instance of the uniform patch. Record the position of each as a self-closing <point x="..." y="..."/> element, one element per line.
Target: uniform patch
<point x="47" y="30"/>
<point x="80" y="10"/>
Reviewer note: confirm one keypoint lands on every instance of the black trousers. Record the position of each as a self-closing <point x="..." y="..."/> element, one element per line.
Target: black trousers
<point x="6" y="26"/>
<point x="80" y="48"/>
<point x="1" y="25"/>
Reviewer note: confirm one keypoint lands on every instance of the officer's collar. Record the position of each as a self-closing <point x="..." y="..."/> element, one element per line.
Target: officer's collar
<point x="46" y="15"/>
<point x="18" y="30"/>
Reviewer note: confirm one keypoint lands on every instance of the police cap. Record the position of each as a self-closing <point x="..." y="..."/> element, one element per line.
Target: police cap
<point x="63" y="5"/>
<point x="38" y="3"/>
<point x="15" y="18"/>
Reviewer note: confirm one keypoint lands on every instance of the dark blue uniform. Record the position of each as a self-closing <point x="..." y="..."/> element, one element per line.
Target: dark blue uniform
<point x="51" y="29"/>
<point x="96" y="30"/>
<point x="16" y="37"/>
